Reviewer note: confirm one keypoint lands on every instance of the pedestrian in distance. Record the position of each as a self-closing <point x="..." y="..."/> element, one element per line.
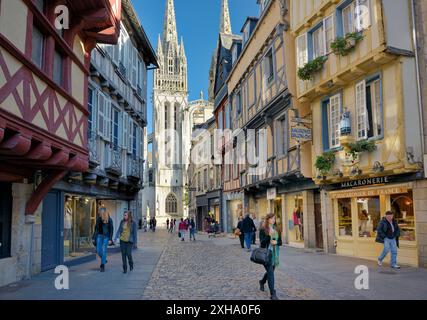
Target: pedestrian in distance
<point x="256" y="223"/>
<point x="103" y="236"/>
<point x="154" y="224"/>
<point x="248" y="228"/>
<point x="181" y="229"/>
<point x="270" y="239"/>
<point x="388" y="233"/>
<point x="144" y="224"/>
<point x="167" y="224"/>
<point x="192" y="228"/>
<point x="127" y="233"/>
<point x="240" y="233"/>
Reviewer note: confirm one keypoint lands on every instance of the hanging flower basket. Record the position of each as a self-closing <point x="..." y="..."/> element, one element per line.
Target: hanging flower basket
<point x="344" y="45"/>
<point x="324" y="163"/>
<point x="361" y="146"/>
<point x="309" y="69"/>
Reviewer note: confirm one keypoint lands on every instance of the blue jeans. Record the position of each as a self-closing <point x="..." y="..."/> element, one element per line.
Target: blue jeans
<point x="101" y="248"/>
<point x="389" y="245"/>
<point x="193" y="234"/>
<point x="269" y="276"/>
<point x="248" y="239"/>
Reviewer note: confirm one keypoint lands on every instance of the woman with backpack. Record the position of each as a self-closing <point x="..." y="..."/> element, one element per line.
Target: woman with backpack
<point x="127" y="233"/>
<point x="103" y="236"/>
<point x="270" y="239"/>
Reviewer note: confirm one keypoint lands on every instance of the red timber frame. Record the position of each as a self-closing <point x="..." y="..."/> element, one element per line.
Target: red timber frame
<point x="24" y="147"/>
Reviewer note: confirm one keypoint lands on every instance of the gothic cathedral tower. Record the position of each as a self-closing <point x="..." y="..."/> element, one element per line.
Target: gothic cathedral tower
<point x="170" y="101"/>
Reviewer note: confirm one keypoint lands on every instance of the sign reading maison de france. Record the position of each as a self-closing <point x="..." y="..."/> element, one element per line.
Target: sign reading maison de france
<point x="365" y="182"/>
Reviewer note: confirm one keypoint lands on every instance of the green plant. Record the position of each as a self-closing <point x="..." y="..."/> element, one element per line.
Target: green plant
<point x="361" y="146"/>
<point x="309" y="69"/>
<point x="325" y="162"/>
<point x="344" y="45"/>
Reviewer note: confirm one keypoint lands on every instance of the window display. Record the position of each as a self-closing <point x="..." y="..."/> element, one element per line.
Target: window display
<point x="345" y="224"/>
<point x="79" y="222"/>
<point x="369" y="215"/>
<point x="402" y="206"/>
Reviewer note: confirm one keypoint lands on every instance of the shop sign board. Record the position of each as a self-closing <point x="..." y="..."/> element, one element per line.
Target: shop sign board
<point x="271" y="193"/>
<point x="368" y="193"/>
<point x="301" y="133"/>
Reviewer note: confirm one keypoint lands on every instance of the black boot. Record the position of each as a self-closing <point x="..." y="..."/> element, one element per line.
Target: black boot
<point x="274" y="296"/>
<point x="125" y="269"/>
<point x="102" y="268"/>
<point x="261" y="286"/>
<point x="131" y="267"/>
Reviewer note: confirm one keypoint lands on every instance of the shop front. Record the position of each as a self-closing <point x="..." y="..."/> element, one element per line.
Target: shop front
<point x="295" y="219"/>
<point x="214" y="205"/>
<point x="202" y="213"/>
<point x="233" y="208"/>
<point x="358" y="212"/>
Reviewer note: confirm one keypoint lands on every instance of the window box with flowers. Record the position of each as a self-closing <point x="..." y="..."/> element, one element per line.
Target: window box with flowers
<point x="308" y="71"/>
<point x="324" y="164"/>
<point x="344" y="45"/>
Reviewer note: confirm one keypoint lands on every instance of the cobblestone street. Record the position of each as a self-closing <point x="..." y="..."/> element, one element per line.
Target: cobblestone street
<point x="218" y="269"/>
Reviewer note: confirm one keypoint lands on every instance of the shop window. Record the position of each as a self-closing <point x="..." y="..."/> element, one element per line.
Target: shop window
<point x="345" y="224"/>
<point x="402" y="206"/>
<point x="79" y="224"/>
<point x="369" y="216"/>
<point x="38" y="43"/>
<point x="5" y="219"/>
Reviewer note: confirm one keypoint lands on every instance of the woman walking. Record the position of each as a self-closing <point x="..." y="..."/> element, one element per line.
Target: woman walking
<point x="192" y="228"/>
<point x="103" y="236"/>
<point x="270" y="239"/>
<point x="127" y="233"/>
<point x="181" y="229"/>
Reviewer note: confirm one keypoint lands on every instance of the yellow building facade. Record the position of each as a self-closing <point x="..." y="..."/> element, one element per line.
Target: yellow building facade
<point x="356" y="71"/>
<point x="274" y="165"/>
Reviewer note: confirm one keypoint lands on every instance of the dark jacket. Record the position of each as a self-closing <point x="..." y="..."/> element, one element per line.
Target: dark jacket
<point x="240" y="226"/>
<point x="133" y="232"/>
<point x="248" y="225"/>
<point x="384" y="230"/>
<point x="102" y="229"/>
<point x="265" y="239"/>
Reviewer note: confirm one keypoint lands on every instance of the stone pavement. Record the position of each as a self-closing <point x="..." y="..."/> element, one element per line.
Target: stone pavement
<point x="218" y="269"/>
<point x="87" y="283"/>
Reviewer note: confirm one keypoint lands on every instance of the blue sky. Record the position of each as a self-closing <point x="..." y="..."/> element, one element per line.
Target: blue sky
<point x="198" y="24"/>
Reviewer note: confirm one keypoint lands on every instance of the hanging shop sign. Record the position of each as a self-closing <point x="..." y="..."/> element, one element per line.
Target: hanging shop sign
<point x="271" y="193"/>
<point x="301" y="133"/>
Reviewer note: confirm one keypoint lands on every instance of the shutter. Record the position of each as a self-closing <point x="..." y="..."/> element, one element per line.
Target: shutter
<point x="125" y="130"/>
<point x="107" y="120"/>
<point x="130" y="138"/>
<point x="361" y="112"/>
<point x="334" y="118"/>
<point x="101" y="111"/>
<point x="325" y="127"/>
<point x="302" y="50"/>
<point x="135" y="67"/>
<point x="362" y="15"/>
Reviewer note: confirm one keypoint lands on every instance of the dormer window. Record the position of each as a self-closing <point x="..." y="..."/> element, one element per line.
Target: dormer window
<point x="234" y="54"/>
<point x="246" y="34"/>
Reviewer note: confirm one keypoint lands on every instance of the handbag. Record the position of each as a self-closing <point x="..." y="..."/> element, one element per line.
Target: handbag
<point x="237" y="232"/>
<point x="261" y="256"/>
<point x="179" y="234"/>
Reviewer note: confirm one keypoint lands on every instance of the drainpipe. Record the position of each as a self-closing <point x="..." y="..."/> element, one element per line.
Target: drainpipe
<point x="417" y="62"/>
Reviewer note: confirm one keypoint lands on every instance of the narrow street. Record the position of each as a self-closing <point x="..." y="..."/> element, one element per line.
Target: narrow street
<point x="218" y="269"/>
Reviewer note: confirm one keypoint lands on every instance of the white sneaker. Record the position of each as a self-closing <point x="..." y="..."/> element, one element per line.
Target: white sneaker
<point x="395" y="267"/>
<point x="380" y="263"/>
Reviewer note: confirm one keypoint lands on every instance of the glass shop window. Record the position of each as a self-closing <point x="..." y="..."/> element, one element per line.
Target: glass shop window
<point x="402" y="206"/>
<point x="369" y="216"/>
<point x="345" y="223"/>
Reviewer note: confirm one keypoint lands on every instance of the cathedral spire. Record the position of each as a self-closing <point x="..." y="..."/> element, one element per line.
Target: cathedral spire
<point x="169" y="29"/>
<point x="225" y="23"/>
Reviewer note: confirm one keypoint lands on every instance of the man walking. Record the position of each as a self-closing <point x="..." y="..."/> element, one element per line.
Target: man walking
<point x="388" y="233"/>
<point x="248" y="228"/>
<point x="154" y="224"/>
<point x="192" y="227"/>
<point x="256" y="227"/>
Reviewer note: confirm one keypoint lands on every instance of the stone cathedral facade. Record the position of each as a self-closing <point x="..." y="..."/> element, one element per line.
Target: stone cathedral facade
<point x="172" y="122"/>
